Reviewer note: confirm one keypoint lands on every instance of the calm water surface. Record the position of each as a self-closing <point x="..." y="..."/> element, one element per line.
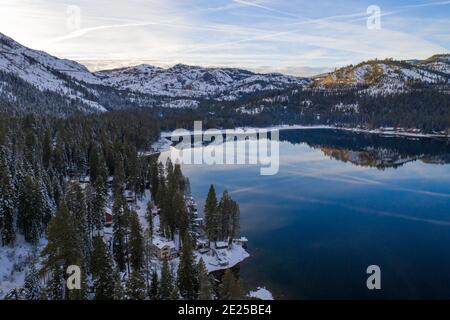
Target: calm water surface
<point x="343" y="201"/>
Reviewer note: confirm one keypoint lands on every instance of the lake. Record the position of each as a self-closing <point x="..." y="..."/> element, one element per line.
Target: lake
<point x="340" y="202"/>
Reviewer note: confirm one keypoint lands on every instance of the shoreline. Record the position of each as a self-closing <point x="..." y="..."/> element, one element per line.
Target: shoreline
<point x="164" y="143"/>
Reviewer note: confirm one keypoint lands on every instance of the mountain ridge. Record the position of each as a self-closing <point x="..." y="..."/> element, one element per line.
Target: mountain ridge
<point x="74" y="88"/>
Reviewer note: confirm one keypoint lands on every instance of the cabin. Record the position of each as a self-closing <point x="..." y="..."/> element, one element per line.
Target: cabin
<point x="221" y="245"/>
<point x="242" y="241"/>
<point x="164" y="249"/>
<point x="108" y="218"/>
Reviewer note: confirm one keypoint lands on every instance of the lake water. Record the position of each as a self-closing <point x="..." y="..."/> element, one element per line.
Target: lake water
<point x="343" y="201"/>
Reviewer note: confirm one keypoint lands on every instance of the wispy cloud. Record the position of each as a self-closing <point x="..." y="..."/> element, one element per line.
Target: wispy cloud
<point x="290" y="36"/>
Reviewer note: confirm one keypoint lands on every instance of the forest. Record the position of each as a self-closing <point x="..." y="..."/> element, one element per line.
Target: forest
<point x="43" y="195"/>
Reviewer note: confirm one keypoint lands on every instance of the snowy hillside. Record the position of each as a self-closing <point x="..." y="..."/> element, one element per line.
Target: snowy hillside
<point x="384" y="76"/>
<point x="48" y="73"/>
<point x="439" y="63"/>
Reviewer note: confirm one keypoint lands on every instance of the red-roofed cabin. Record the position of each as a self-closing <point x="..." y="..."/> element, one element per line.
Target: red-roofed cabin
<point x="108" y="219"/>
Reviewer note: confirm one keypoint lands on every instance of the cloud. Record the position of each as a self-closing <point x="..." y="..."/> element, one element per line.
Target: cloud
<point x="259" y="35"/>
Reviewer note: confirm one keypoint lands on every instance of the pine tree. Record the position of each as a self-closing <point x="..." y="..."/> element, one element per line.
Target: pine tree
<point x="119" y="175"/>
<point x="96" y="202"/>
<point x="210" y="212"/>
<point x="136" y="243"/>
<point x="7" y="208"/>
<point x="227" y="217"/>
<point x="179" y="216"/>
<point x="101" y="266"/>
<point x="46" y="149"/>
<point x="118" y="288"/>
<point x="76" y="204"/>
<point x="154" y="178"/>
<point x="120" y="225"/>
<point x="205" y="291"/>
<point x="136" y="287"/>
<point x="175" y="294"/>
<point x="94" y="163"/>
<point x="187" y="278"/>
<point x="55" y="289"/>
<point x="230" y="287"/>
<point x="161" y="187"/>
<point x="32" y="283"/>
<point x="30" y="209"/>
<point x="236" y="291"/>
<point x="153" y="291"/>
<point x="62" y="250"/>
<point x="166" y="283"/>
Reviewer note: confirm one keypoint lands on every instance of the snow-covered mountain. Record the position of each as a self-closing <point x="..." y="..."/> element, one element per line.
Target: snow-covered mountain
<point x="142" y="85"/>
<point x="195" y="82"/>
<point x="387" y="76"/>
<point x="34" y="81"/>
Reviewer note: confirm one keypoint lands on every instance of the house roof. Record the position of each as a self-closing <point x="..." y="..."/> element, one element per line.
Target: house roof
<point x="160" y="243"/>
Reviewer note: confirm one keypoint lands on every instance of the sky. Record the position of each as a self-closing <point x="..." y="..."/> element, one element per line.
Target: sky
<point x="295" y="37"/>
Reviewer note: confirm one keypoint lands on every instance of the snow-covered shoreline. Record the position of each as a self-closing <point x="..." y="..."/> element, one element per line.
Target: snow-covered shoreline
<point x="164" y="143"/>
<point x="380" y="131"/>
<point x="261" y="293"/>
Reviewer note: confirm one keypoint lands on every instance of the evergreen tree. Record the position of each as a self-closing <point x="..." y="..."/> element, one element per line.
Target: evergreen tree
<point x="119" y="175"/>
<point x="153" y="291"/>
<point x="187" y="279"/>
<point x="179" y="218"/>
<point x="101" y="266"/>
<point x="94" y="163"/>
<point x="236" y="291"/>
<point x="55" y="289"/>
<point x="205" y="291"/>
<point x="32" y="284"/>
<point x="230" y="287"/>
<point x="136" y="287"/>
<point x="166" y="283"/>
<point x="96" y="202"/>
<point x="118" y="288"/>
<point x="120" y="225"/>
<point x="210" y="212"/>
<point x="136" y="243"/>
<point x="7" y="208"/>
<point x="30" y="209"/>
<point x="175" y="294"/>
<point x="154" y="178"/>
<point x="76" y="204"/>
<point x="46" y="149"/>
<point x="62" y="250"/>
<point x="227" y="217"/>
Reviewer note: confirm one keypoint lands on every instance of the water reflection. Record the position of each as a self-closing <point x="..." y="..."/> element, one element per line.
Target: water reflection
<point x="338" y="205"/>
<point x="370" y="150"/>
